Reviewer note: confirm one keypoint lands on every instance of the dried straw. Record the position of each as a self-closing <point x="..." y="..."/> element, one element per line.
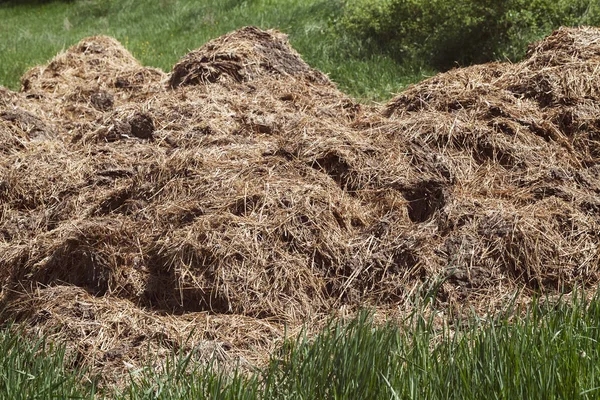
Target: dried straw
<point x="243" y="192"/>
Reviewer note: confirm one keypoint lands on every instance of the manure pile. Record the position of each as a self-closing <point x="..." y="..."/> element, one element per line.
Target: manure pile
<point x="243" y="193"/>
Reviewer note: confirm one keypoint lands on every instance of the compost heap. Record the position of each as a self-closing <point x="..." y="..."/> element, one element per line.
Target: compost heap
<point x="242" y="193"/>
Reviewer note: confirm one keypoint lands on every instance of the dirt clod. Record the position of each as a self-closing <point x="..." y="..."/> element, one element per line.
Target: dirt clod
<point x="102" y="100"/>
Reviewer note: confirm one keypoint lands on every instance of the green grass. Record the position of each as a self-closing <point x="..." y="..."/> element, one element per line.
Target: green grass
<point x="551" y="352"/>
<point x="36" y="369"/>
<point x="158" y="33"/>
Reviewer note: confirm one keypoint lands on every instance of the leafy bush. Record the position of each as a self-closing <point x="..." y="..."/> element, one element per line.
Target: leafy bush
<point x="444" y="33"/>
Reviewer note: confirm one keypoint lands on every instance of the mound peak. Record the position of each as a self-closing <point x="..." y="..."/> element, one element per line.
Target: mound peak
<point x="246" y="54"/>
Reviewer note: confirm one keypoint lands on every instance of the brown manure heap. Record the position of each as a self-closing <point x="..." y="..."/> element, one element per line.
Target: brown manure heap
<point x="243" y="193"/>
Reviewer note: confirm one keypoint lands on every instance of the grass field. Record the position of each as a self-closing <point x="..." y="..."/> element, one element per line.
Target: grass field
<point x="159" y="33"/>
<point x="550" y="353"/>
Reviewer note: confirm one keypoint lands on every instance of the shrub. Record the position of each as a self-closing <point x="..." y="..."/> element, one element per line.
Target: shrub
<point x="444" y="33"/>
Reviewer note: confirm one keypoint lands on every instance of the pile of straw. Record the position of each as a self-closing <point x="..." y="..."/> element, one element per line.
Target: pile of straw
<point x="243" y="192"/>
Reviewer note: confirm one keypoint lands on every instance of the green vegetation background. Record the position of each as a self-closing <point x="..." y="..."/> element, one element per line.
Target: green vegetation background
<point x="159" y="32"/>
<point x="443" y="34"/>
<point x="371" y="48"/>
